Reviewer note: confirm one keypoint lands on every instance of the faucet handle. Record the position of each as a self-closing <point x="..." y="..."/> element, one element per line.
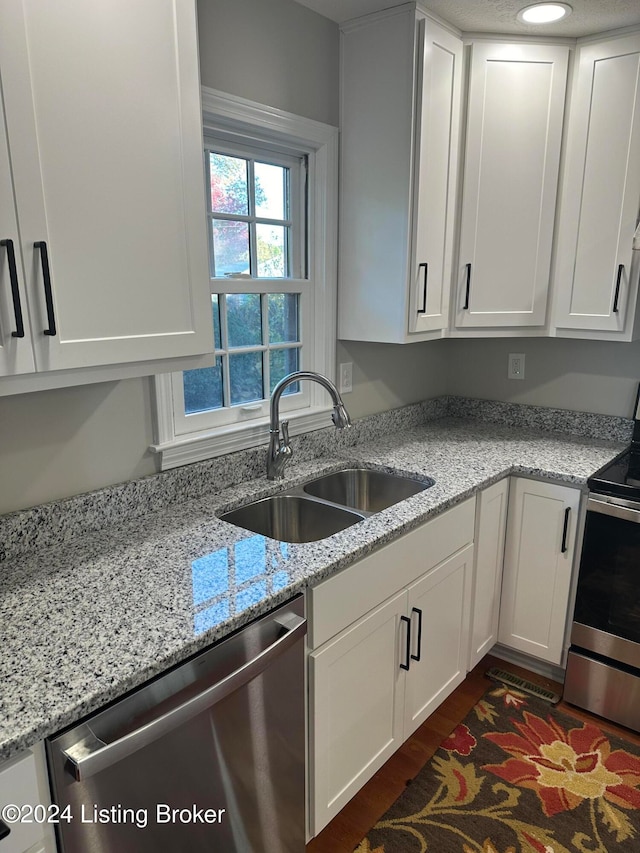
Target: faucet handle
<point x="284" y="430"/>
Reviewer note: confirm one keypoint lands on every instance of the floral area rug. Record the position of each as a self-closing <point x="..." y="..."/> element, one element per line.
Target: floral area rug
<point x="518" y="777"/>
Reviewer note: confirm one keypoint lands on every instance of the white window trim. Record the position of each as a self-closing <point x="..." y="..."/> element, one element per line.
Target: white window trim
<point x="320" y="142"/>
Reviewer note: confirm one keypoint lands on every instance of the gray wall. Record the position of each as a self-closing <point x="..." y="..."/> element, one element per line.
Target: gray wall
<point x="59" y="443"/>
<point x="586" y="376"/>
<point x="386" y="376"/>
<point x="275" y="52"/>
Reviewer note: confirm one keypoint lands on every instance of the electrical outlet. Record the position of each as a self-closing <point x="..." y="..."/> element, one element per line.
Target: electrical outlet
<point x="516" y="365"/>
<point x="346" y="377"/>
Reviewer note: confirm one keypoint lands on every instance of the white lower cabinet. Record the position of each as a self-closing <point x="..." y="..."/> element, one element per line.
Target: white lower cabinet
<point x="23" y="783"/>
<point x="438" y="607"/>
<point x="538" y="562"/>
<point x="358" y="704"/>
<point x="491" y="523"/>
<point x="392" y="635"/>
<point x="376" y="680"/>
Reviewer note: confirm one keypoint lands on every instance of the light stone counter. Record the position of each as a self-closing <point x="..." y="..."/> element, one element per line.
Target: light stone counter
<point x="86" y="617"/>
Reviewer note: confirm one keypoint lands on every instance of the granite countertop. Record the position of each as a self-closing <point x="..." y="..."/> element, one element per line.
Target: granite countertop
<point x="84" y="621"/>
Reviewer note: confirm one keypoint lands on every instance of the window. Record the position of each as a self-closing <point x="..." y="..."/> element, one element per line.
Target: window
<point x="270" y="180"/>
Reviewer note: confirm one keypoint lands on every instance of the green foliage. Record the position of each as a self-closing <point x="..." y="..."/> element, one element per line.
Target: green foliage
<point x="203" y="387"/>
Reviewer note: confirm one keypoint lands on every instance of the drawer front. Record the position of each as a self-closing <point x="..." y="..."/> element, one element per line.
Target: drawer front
<point x="342" y="599"/>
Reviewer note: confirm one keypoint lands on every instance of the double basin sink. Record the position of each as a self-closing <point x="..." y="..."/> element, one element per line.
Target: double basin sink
<point x="323" y="506"/>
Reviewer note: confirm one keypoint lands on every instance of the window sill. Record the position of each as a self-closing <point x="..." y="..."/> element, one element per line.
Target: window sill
<point x="186" y="449"/>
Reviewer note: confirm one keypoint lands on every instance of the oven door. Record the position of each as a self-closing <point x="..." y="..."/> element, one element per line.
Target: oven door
<point x="607" y="612"/>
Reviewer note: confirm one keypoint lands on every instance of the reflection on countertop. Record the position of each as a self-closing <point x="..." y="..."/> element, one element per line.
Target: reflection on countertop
<point x="233" y="578"/>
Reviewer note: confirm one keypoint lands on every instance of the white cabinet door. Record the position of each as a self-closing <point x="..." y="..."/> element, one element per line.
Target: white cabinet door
<point x="357" y="702"/>
<point x="439" y="614"/>
<point x="19" y="786"/>
<point x="103" y="120"/>
<point x="437" y="138"/>
<point x="515" y="116"/>
<point x="601" y="193"/>
<point x="539" y="551"/>
<point x="491" y="523"/>
<point x="400" y="107"/>
<point x="16" y="353"/>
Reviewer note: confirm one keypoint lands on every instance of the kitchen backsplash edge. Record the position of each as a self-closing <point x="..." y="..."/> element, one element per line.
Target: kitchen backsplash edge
<point x="30" y="530"/>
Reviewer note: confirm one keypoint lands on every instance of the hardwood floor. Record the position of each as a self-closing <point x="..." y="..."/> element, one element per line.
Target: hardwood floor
<point x="350" y="826"/>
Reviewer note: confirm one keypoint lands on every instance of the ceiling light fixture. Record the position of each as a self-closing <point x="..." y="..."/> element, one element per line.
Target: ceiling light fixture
<point x="544" y="13"/>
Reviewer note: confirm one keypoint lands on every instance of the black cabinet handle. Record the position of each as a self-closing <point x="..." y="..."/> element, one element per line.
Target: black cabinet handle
<point x="565" y="531"/>
<point x="48" y="296"/>
<point x="424" y="293"/>
<point x="419" y="612"/>
<point x="408" y="646"/>
<point x="4" y="830"/>
<point x="15" y="292"/>
<point x="466" y="298"/>
<point x="616" y="298"/>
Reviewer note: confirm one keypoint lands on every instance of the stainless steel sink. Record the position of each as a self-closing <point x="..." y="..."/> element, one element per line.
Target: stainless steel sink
<point x="292" y="518"/>
<point x="365" y="489"/>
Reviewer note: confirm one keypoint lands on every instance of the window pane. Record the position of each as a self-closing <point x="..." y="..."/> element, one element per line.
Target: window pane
<point x="230" y="247"/>
<point x="228" y="184"/>
<point x="244" y="319"/>
<point x="281" y="363"/>
<point x="203" y="388"/>
<point x="245" y="377"/>
<point x="215" y="307"/>
<point x="271" y="187"/>
<point x="283" y="318"/>
<point x="272" y="260"/>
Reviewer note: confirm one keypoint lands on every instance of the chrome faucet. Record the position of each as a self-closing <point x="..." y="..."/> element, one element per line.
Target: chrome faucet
<point x="279" y="447"/>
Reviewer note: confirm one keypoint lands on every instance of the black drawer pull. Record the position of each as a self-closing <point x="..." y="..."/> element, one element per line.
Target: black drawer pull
<point x="423" y="310"/>
<point x="616" y="298"/>
<point x="48" y="296"/>
<point x="419" y="643"/>
<point x="408" y="646"/>
<point x="565" y="530"/>
<point x="15" y="292"/>
<point x="4" y="830"/>
<point x="468" y="289"/>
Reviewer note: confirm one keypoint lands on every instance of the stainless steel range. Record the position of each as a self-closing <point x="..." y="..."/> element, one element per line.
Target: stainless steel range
<point x="603" y="669"/>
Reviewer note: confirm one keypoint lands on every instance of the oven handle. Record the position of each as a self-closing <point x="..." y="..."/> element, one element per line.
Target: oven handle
<point x="617" y="511"/>
<point x="89" y="764"/>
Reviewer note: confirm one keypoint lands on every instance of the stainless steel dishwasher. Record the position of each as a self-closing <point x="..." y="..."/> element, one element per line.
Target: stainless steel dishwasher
<point x="208" y="757"/>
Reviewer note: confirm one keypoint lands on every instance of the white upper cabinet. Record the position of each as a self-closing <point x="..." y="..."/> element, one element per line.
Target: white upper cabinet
<point x="595" y="286"/>
<point x="16" y="352"/>
<point x="103" y="123"/>
<point x="514" y="134"/>
<point x="400" y="104"/>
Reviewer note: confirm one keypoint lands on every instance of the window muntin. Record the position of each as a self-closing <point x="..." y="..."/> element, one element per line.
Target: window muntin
<point x="257" y="342"/>
<point x="257" y="243"/>
<point x="256" y="212"/>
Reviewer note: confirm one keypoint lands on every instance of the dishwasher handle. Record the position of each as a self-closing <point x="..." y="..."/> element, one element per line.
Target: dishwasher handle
<point x="88" y="759"/>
